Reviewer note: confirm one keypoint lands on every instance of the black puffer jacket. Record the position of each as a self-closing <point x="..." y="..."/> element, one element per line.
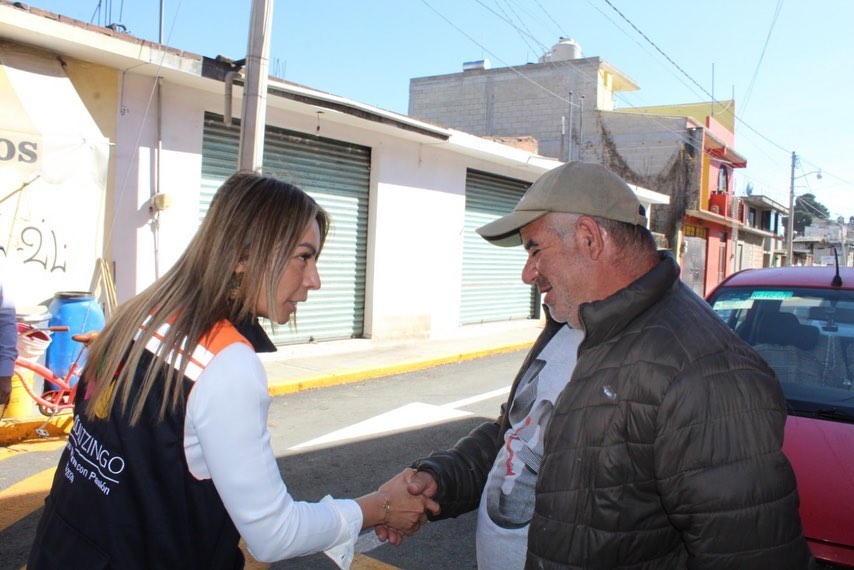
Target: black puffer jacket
<point x="664" y="450"/>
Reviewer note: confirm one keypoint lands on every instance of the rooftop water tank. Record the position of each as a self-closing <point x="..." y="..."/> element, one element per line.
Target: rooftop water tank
<point x="565" y="49"/>
<point x="479" y="64"/>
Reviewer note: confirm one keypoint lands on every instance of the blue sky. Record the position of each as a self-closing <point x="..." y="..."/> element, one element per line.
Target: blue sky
<point x="787" y="63"/>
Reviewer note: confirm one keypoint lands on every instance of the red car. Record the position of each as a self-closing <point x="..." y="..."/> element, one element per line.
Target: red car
<point x="801" y="320"/>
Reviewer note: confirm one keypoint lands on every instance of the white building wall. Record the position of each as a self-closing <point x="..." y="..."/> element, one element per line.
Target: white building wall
<point x="416" y="216"/>
<point x="417" y="241"/>
<point x="417" y="184"/>
<point x="139" y="257"/>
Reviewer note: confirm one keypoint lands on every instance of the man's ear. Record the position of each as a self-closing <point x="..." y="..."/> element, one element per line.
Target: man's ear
<point x="589" y="238"/>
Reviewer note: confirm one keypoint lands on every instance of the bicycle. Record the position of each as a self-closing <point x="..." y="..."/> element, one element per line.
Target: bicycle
<point x="51" y="402"/>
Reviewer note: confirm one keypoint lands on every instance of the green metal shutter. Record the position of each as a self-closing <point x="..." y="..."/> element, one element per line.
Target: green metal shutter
<point x="492" y="276"/>
<point x="337" y="175"/>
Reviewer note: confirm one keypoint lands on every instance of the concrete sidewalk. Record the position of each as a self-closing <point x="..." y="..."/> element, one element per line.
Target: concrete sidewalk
<point x="304" y="366"/>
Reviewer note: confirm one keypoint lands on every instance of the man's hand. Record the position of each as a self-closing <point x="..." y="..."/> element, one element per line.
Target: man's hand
<point x="5" y="389"/>
<point x="85" y="338"/>
<point x="6" y="392"/>
<point x="420" y="483"/>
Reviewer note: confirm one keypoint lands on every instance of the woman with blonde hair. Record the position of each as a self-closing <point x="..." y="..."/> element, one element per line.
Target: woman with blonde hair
<point x="169" y="462"/>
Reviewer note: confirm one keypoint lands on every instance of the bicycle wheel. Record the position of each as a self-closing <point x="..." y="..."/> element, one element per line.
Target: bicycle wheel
<point x="51" y="401"/>
<point x="56" y="400"/>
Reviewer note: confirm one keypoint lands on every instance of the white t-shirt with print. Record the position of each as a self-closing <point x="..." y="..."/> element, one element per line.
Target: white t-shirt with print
<point x="507" y="503"/>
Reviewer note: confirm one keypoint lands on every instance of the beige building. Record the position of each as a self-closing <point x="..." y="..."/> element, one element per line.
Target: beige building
<point x="567" y="103"/>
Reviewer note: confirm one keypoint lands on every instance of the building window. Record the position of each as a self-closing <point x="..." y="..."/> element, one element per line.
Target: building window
<point x="751" y="217"/>
<point x="695" y="231"/>
<point x="723" y="179"/>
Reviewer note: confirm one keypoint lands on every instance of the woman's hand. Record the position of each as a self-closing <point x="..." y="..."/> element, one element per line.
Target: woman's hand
<point x="420" y="482"/>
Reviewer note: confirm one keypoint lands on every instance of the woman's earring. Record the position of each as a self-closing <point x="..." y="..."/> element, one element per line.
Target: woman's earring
<point x="234" y="285"/>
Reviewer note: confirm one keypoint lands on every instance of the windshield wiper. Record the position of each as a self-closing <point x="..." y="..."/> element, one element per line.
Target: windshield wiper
<point x="834" y="414"/>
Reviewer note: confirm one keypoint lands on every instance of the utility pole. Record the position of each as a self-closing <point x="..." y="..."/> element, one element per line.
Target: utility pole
<point x="569" y="157"/>
<point x="254" y="117"/>
<point x="581" y="130"/>
<point x="562" y="135"/>
<point x="790" y="230"/>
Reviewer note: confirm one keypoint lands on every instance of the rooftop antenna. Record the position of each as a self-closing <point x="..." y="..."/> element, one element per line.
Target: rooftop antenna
<point x="713" y="90"/>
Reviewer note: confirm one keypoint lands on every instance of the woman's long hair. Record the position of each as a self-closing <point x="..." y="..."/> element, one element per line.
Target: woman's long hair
<point x="252" y="219"/>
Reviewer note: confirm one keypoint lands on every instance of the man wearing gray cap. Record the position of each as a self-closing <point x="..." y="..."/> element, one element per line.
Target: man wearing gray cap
<point x="657" y="445"/>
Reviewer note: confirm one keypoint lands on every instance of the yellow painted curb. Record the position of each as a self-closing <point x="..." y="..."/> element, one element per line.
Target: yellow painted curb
<point x="14" y="431"/>
<point x="326" y="379"/>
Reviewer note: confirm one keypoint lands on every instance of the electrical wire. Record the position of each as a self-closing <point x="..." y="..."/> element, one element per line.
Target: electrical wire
<point x="737" y="117"/>
<point x="512" y="68"/>
<point x="775" y="159"/>
<point x="761" y="57"/>
<point x="524" y="31"/>
<point x="527" y="30"/>
<point x="703" y="89"/>
<point x="659" y="50"/>
<point x="121" y="190"/>
<point x="680" y="136"/>
<point x="546" y="12"/>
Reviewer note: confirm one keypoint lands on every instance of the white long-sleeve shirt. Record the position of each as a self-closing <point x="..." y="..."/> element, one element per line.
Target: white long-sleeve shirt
<point x="226" y="440"/>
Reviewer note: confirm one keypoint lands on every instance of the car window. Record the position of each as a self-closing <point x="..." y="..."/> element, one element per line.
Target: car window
<point x="806" y="335"/>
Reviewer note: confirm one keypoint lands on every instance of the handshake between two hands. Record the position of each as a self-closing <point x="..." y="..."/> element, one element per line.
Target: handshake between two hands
<point x="410" y="496"/>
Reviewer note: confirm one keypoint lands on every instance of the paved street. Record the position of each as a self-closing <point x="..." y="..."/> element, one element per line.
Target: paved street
<point x="344" y="441"/>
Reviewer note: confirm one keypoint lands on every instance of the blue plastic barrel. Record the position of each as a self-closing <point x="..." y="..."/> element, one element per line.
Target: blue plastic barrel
<point x="80" y="312"/>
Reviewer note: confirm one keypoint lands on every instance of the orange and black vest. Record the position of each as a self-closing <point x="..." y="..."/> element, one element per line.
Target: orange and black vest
<point x="123" y="496"/>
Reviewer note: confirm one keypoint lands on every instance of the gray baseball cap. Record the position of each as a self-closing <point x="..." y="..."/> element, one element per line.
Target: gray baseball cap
<point x="573" y="188"/>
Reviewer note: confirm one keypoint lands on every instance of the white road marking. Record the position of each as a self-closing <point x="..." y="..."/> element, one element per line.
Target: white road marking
<point x="478" y="398"/>
<point x="409" y="416"/>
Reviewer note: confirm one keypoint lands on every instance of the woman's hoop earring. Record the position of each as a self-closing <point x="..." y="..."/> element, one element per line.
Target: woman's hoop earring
<point x="234" y="285"/>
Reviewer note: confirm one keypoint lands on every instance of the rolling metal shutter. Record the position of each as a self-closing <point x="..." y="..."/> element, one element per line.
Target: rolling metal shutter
<point x="334" y="173"/>
<point x="492" y="288"/>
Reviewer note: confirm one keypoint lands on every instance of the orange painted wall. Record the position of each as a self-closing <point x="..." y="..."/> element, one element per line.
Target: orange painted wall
<point x="713" y="255"/>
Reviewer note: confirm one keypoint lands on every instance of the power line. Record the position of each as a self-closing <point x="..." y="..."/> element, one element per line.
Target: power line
<point x="658" y="49"/>
<point x="558" y="26"/>
<point x="690" y="87"/>
<point x="684" y="138"/>
<point x="762" y="55"/>
<point x="680" y="136"/>
<point x="571" y="68"/>
<point x="739" y="119"/>
<point x="640" y="44"/>
<point x="481" y="46"/>
<point x="527" y="31"/>
<point x="524" y="31"/>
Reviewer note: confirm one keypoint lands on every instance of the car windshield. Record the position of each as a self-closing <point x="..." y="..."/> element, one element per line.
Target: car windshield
<point x="806" y="335"/>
